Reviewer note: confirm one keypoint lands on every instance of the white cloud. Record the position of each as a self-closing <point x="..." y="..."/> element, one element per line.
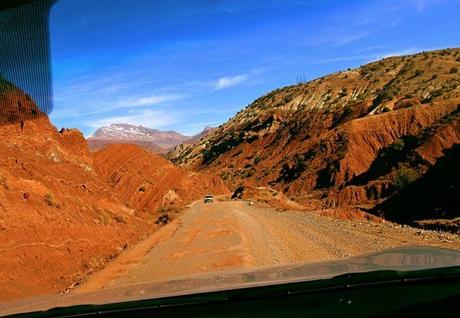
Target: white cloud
<point x="393" y="53"/>
<point x="146" y="118"/>
<point x="230" y="81"/>
<point x="147" y="101"/>
<point x="420" y="5"/>
<point x="105" y="107"/>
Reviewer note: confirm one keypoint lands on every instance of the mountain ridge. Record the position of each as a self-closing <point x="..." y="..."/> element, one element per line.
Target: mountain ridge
<point x="313" y="140"/>
<point x="65" y="212"/>
<point x="153" y="140"/>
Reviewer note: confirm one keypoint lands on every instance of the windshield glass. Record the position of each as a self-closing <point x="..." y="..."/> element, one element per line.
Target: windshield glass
<point x="148" y="142"/>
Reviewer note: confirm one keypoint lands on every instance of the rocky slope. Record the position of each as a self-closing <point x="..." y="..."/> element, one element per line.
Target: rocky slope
<point x="147" y="181"/>
<point x="98" y="144"/>
<point x="197" y="138"/>
<point x="189" y="143"/>
<point x="352" y="138"/>
<point x="59" y="218"/>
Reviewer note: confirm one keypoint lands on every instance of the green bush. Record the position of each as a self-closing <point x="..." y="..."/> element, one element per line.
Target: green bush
<point x="404" y="176"/>
<point x="398" y="145"/>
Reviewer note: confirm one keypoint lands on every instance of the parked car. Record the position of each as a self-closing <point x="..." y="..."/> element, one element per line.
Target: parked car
<point x="209" y="199"/>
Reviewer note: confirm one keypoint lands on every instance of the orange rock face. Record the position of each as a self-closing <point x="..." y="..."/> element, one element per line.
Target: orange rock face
<point x="340" y="140"/>
<point x="148" y="181"/>
<point x="59" y="218"/>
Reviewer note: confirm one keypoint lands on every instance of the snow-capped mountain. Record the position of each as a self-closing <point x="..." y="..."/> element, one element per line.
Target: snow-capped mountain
<point x="127" y="133"/>
<point x="153" y="140"/>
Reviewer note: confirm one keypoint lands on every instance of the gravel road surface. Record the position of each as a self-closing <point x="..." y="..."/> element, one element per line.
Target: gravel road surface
<point x="226" y="235"/>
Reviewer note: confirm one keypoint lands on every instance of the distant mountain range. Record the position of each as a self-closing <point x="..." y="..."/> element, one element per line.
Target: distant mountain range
<point x="153" y="140"/>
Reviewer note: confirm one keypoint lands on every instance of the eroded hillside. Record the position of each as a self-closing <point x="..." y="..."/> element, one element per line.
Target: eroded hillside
<point x="59" y="218"/>
<point x="148" y="181"/>
<point x="352" y="138"/>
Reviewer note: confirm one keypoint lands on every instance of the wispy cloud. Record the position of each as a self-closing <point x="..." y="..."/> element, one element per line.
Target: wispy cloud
<point x="93" y="107"/>
<point x="397" y="53"/>
<point x="334" y="37"/>
<point x="147" y="101"/>
<point x="146" y="117"/>
<point x="225" y="82"/>
<point x="422" y="5"/>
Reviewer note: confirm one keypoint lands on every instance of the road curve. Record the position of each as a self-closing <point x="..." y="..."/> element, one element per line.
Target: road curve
<point x="225" y="235"/>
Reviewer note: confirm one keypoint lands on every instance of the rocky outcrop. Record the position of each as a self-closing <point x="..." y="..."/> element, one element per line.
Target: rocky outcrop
<point x="59" y="219"/>
<point x="342" y="138"/>
<point x="147" y="181"/>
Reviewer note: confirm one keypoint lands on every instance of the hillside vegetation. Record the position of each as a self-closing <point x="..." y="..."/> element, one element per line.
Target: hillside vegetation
<point x="353" y="138"/>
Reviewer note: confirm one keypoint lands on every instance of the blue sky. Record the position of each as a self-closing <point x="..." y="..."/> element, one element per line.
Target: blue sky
<point x="183" y="65"/>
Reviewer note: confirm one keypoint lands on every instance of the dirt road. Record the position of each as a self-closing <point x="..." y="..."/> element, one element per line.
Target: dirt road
<point x="224" y="235"/>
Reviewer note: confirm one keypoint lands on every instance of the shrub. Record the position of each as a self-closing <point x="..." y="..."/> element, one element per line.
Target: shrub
<point x="398" y="145"/>
<point x="51" y="200"/>
<point x="257" y="159"/>
<point x="142" y="189"/>
<point x="418" y="72"/>
<point x="163" y="219"/>
<point x="121" y="218"/>
<point x="4" y="182"/>
<point x="103" y="217"/>
<point x="453" y="70"/>
<point x="404" y="176"/>
<point x="249" y="173"/>
<point x="168" y="209"/>
<point x="225" y="175"/>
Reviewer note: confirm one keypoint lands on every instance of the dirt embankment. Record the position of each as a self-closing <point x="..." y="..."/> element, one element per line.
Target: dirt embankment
<point x="59" y="218"/>
<point x="98" y="144"/>
<point x="148" y="182"/>
<point x="350" y="139"/>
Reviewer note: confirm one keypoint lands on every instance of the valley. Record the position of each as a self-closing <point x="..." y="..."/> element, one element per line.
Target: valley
<point x="346" y="164"/>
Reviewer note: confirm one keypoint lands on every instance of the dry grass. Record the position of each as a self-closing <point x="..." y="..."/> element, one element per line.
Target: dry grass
<point x="51" y="200"/>
<point x="121" y="218"/>
<point x="4" y="182"/>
